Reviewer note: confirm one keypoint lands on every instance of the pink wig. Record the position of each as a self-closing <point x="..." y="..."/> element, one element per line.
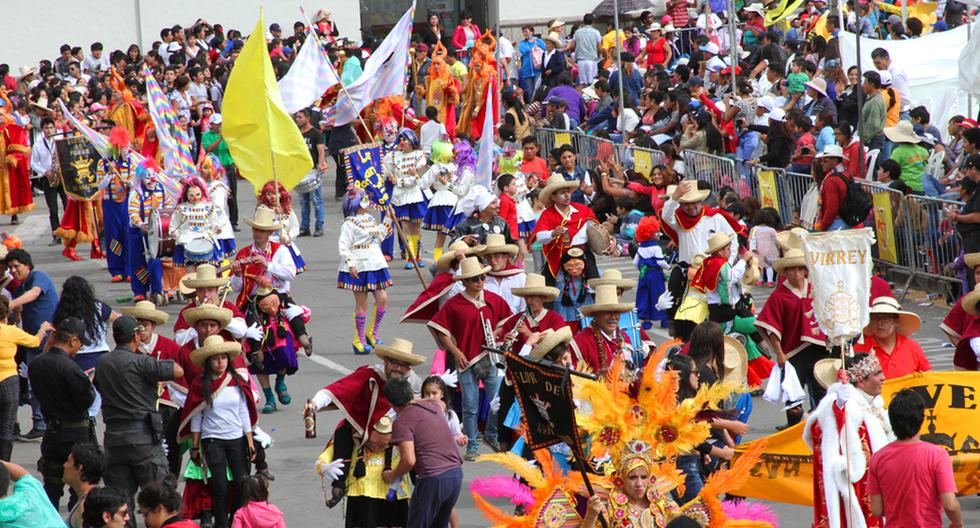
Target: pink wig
<point x="193" y="181"/>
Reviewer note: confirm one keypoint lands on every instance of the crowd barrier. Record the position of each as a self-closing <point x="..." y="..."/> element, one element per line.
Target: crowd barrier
<point x="914" y="236"/>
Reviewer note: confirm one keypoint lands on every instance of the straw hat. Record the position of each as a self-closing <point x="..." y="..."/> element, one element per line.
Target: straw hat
<point x="792" y="258"/>
<point x="718" y="242"/>
<point x="146" y="311"/>
<point x="792" y="239"/>
<point x="908" y="322"/>
<point x="208" y="312"/>
<point x="399" y="350"/>
<point x="736" y="359"/>
<point x="383" y="425"/>
<point x="752" y="271"/>
<point x="972" y="259"/>
<point x="825" y="371"/>
<point x="534" y="284"/>
<point x="448" y="256"/>
<point x="902" y="133"/>
<point x="606" y="300"/>
<point x="694" y="195"/>
<point x="554" y="40"/>
<point x="832" y="151"/>
<point x="264" y="220"/>
<point x="970" y="300"/>
<point x="26" y="70"/>
<point x="817" y="84"/>
<point x="554" y="183"/>
<point x="206" y="276"/>
<point x="321" y="14"/>
<point x="614" y="277"/>
<point x="470" y="267"/>
<point x="754" y="8"/>
<point x="497" y="243"/>
<point x="549" y="340"/>
<point x="213" y="346"/>
<point x="555" y="24"/>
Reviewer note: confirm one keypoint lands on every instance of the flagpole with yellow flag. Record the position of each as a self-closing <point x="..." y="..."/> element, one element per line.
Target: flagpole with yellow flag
<point x="262" y="137"/>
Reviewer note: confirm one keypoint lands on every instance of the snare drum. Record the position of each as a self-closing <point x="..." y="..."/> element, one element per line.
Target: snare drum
<point x="309" y="183"/>
<point x="165" y="241"/>
<point x="199" y="250"/>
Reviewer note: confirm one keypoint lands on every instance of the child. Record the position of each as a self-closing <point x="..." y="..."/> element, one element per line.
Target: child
<point x="795" y="81"/>
<point x="434" y="388"/>
<point x="508" y="206"/>
<point x="432" y="130"/>
<point x="256" y="511"/>
<point x="402" y="167"/>
<point x="363" y="268"/>
<point x="283" y="207"/>
<point x="532" y="164"/>
<point x="193" y="226"/>
<point x="218" y="190"/>
<point x="572" y="287"/>
<point x="537" y="206"/>
<point x="275" y="352"/>
<point x="441" y="176"/>
<point x="629" y="219"/>
<point x="762" y="240"/>
<point x="650" y="261"/>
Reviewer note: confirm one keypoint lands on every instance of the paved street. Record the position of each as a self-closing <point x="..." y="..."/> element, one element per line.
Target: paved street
<point x="297" y="490"/>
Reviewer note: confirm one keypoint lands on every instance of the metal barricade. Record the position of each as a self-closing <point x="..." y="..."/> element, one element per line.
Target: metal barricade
<point x="591" y="150"/>
<point x="720" y="171"/>
<point x="546" y="138"/>
<point x="628" y="155"/>
<point x="893" y="228"/>
<point x="932" y="239"/>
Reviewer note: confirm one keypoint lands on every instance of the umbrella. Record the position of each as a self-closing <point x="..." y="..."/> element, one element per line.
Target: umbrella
<point x="605" y="8"/>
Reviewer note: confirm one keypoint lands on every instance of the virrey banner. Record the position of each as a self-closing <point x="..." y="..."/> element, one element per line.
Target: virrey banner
<point x="839" y="265"/>
<point x="785" y="471"/>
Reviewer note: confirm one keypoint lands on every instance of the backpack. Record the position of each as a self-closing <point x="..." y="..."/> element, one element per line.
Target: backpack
<point x="537" y="57"/>
<point x="857" y="202"/>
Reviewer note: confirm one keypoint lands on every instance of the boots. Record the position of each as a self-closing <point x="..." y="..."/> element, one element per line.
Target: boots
<point x="281" y="392"/>
<point x="270" y="401"/>
<point x="6" y="450"/>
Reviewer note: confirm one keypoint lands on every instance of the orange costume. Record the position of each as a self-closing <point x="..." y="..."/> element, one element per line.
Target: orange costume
<point x="127" y="112"/>
<point x="441" y="90"/>
<point x="482" y="75"/>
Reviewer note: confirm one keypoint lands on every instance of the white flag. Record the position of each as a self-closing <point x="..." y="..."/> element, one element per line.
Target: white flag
<point x="310" y="75"/>
<point x="484" y="164"/>
<point x="839" y="265"/>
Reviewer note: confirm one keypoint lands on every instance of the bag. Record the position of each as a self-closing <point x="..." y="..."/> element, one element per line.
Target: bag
<point x="857" y="202"/>
<point x="537" y="57"/>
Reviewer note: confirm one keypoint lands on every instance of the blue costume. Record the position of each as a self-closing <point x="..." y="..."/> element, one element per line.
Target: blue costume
<point x="146" y="273"/>
<point x="115" y="177"/>
<point x="650" y="261"/>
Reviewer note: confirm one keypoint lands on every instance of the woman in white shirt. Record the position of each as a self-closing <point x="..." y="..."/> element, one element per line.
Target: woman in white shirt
<point x="219" y="416"/>
<point x="78" y="300"/>
<point x="403" y="168"/>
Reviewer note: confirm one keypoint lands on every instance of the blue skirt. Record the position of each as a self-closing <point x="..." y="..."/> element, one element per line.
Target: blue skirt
<point x="437" y="217"/>
<point x="226" y="246"/>
<point x="410" y="212"/>
<point x="297" y="260"/>
<point x="452" y="223"/>
<point x="181" y="260"/>
<point x="366" y="280"/>
<point x="524" y="229"/>
<point x="280" y="358"/>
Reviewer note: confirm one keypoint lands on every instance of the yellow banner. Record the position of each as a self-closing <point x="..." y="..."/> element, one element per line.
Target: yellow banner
<point x="642" y="162"/>
<point x="885" y="226"/>
<point x="785" y="472"/>
<point x="562" y="138"/>
<point x="767" y="189"/>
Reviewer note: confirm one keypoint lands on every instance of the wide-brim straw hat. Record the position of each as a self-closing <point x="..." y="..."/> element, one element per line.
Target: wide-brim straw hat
<point x="554" y="183"/>
<point x="549" y="340"/>
<point x="265" y="220"/>
<point x="399" y="349"/>
<point x="614" y="277"/>
<point x="736" y="359"/>
<point x="792" y="258"/>
<point x="208" y="312"/>
<point x="146" y="311"/>
<point x="718" y="242"/>
<point x="792" y="239"/>
<point x="497" y="243"/>
<point x="26" y="70"/>
<point x="752" y="272"/>
<point x="213" y="346"/>
<point x="902" y="133"/>
<point x="832" y="151"/>
<point x="606" y="300"/>
<point x="825" y="371"/>
<point x="554" y="40"/>
<point x="534" y="285"/>
<point x="206" y="276"/>
<point x="470" y="267"/>
<point x="694" y="196"/>
<point x="817" y="84"/>
<point x="383" y="425"/>
<point x="321" y="14"/>
<point x="908" y="322"/>
<point x="448" y="256"/>
<point x="972" y="259"/>
<point x="970" y="300"/>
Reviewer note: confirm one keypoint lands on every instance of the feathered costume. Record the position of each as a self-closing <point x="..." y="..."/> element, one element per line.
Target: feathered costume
<point x="15" y="161"/>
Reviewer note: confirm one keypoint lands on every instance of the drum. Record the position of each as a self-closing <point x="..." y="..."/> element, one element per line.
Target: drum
<point x="199" y="250"/>
<point x="159" y="243"/>
<point x="309" y="183"/>
<point x="599" y="239"/>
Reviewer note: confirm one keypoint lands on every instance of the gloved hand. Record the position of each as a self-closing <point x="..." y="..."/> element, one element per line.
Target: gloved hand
<point x="254" y="332"/>
<point x="495" y="404"/>
<point x="331" y="471"/>
<point x="293" y="311"/>
<point x="845" y="391"/>
<point x="261" y="437"/>
<point x="22" y="370"/>
<point x="450" y="378"/>
<point x="665" y="302"/>
<point x="166" y="448"/>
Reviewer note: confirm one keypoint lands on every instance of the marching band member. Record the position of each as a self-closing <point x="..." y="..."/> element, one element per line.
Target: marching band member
<point x="597" y="345"/>
<point x="194" y="225"/>
<point x="562" y="225"/>
<point x="207" y="285"/>
<point x="147" y="199"/>
<point x="402" y="168"/>
<point x="363" y="268"/>
<point x="115" y="175"/>
<point x="263" y="262"/>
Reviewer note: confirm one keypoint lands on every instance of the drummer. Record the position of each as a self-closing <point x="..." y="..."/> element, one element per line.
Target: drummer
<point x="147" y="199"/>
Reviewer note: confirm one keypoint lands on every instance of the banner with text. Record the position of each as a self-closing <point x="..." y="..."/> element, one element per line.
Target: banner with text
<point x="545" y="397"/>
<point x="885" y="226"/>
<point x="364" y="171"/>
<point x="785" y="471"/>
<point x="76" y="161"/>
<point x="839" y="265"/>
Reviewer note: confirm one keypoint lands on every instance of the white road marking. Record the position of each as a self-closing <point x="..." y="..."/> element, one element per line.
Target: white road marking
<point x="330" y="364"/>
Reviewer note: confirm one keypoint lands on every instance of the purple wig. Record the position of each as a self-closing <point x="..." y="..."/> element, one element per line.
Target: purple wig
<point x="352" y="202"/>
<point x="465" y="157"/>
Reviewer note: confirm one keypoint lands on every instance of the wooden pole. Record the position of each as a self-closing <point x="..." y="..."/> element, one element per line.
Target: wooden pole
<point x="411" y="251"/>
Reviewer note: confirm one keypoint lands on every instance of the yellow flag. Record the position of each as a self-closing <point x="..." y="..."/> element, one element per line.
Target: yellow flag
<point x="261" y="135"/>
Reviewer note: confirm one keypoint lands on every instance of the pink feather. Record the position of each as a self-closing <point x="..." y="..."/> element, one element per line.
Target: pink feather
<point x="744" y="510"/>
<point x="500" y="486"/>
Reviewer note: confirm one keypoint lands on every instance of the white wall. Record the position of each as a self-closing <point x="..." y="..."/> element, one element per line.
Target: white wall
<point x="34" y="30"/>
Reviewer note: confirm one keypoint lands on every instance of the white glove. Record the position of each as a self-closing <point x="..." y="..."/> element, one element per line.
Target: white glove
<point x="845" y="391"/>
<point x="182" y="337"/>
<point x="261" y="437"/>
<point x="166" y="448"/>
<point x="450" y="378"/>
<point x="254" y="332"/>
<point x="331" y="471"/>
<point x="22" y="370"/>
<point x="293" y="311"/>
<point x="495" y="404"/>
<point x="665" y="302"/>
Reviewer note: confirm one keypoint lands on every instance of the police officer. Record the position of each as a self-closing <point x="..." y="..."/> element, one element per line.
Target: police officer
<point x="65" y="394"/>
<point x="127" y="380"/>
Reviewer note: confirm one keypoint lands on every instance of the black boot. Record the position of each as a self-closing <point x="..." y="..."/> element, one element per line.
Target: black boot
<point x="793" y="417"/>
<point x="6" y="450"/>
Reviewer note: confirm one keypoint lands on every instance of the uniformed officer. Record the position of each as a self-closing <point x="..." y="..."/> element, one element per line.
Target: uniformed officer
<point x="65" y="394"/>
<point x="127" y="380"/>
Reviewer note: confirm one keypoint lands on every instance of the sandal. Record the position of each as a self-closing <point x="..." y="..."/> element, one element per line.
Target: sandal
<point x="282" y="394"/>
<point x="270" y="407"/>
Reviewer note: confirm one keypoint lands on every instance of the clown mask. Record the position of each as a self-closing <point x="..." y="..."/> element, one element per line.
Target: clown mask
<point x="574" y="268"/>
<point x="389" y="129"/>
<point x="194" y="194"/>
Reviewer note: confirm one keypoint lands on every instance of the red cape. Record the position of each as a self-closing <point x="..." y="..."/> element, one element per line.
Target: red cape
<point x="195" y="400"/>
<point x="550" y="219"/>
<point x="360" y="396"/>
<point x="706" y="277"/>
<point x="427" y="303"/>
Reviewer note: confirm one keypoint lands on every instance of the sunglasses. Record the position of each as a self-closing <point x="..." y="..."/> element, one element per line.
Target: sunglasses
<point x="481" y="278"/>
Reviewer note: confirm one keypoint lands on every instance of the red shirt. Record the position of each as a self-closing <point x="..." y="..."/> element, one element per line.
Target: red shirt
<point x="585" y="349"/>
<point x="538" y="167"/>
<point x="508" y="211"/>
<point x="549" y="320"/>
<point x="910" y="479"/>
<point x="460" y="318"/>
<point x="833" y="190"/>
<point x="905" y="358"/>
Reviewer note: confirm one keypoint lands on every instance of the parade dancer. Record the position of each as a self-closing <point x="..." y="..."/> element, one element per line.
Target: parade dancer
<point x="465" y="160"/>
<point x="503" y="275"/>
<point x="15" y="161"/>
<point x="363" y="269"/>
<point x="387" y="137"/>
<point x="285" y="216"/>
<point x="194" y="226"/>
<point x="215" y="176"/>
<point x="563" y="225"/>
<point x="115" y="175"/>
<point x="275" y="352"/>
<point x="650" y="261"/>
<point x="402" y="168"/>
<point x="440" y="214"/>
<point x="599" y="344"/>
<point x="147" y="199"/>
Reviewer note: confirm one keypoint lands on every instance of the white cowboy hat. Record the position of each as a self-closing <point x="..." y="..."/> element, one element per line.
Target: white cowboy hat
<point x="27" y="70"/>
<point x="554" y="183"/>
<point x="792" y="258"/>
<point x="399" y="350"/>
<point x="556" y="24"/>
<point x="825" y="371"/>
<point x="718" y="242"/>
<point x="736" y="360"/>
<point x="213" y="346"/>
<point x="755" y="8"/>
<point x="264" y="220"/>
<point x="497" y="243"/>
<point x="534" y="284"/>
<point x="654" y="27"/>
<point x="902" y="133"/>
<point x="549" y="340"/>
<point x="694" y="195"/>
<point x="206" y="276"/>
<point x="606" y="300"/>
<point x="470" y="267"/>
<point x="208" y="312"/>
<point x="614" y="277"/>
<point x="449" y="256"/>
<point x="908" y="322"/>
<point x="554" y="40"/>
<point x="817" y="84"/>
<point x="147" y="311"/>
<point x="832" y="151"/>
<point x="972" y="260"/>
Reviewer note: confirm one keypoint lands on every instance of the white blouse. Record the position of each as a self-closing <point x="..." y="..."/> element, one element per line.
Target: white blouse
<point x="359" y="244"/>
<point x="226" y="418"/>
<point x="408" y="187"/>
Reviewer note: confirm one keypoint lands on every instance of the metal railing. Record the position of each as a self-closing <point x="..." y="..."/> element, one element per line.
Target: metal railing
<point x="719" y="171"/>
